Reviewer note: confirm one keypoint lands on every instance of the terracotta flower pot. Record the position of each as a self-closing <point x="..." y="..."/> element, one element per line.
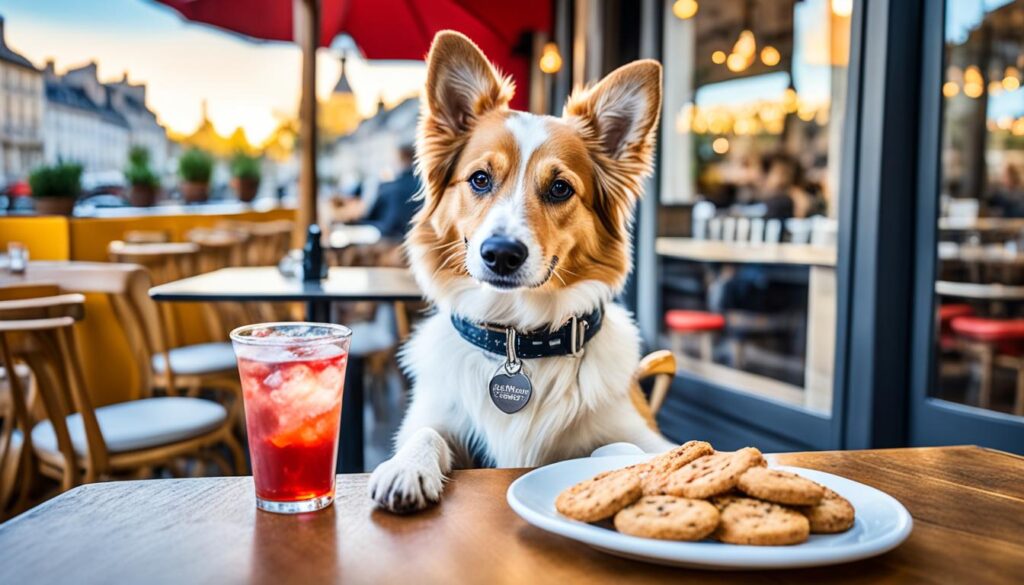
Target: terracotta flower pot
<point x="54" y="205"/>
<point x="195" y="192"/>
<point x="245" y="188"/>
<point x="142" y="195"/>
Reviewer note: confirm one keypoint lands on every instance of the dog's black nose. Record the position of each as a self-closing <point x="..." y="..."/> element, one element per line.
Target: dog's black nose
<point x="503" y="255"/>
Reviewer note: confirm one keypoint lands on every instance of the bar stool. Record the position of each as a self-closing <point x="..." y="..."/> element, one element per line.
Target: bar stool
<point x="944" y="318"/>
<point x="703" y="324"/>
<point x="995" y="342"/>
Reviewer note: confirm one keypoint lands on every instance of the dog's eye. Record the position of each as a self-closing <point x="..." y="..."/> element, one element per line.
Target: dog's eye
<point x="480" y="182"/>
<point x="560" y="190"/>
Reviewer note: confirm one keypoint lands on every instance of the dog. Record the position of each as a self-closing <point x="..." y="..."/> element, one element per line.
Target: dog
<point x="524" y="227"/>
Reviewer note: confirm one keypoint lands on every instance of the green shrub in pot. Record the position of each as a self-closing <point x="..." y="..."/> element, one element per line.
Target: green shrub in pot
<point x="55" y="187"/>
<point x="140" y="175"/>
<point x="245" y="175"/>
<point x="195" y="168"/>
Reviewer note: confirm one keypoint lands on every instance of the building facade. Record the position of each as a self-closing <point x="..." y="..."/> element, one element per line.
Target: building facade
<point x="21" y="114"/>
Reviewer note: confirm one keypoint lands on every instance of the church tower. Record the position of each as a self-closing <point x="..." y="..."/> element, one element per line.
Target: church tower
<point x="340" y="114"/>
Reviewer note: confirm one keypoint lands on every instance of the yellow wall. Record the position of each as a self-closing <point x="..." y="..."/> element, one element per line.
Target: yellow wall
<point x="105" y="354"/>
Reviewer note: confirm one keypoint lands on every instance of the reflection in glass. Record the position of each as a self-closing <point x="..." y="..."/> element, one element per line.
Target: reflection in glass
<point x="754" y="101"/>
<point x="980" y="288"/>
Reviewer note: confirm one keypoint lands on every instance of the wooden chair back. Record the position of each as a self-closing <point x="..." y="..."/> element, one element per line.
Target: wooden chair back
<point x="165" y="262"/>
<point x="55" y="337"/>
<point x="146" y="237"/>
<point x="218" y="248"/>
<point x="267" y="243"/>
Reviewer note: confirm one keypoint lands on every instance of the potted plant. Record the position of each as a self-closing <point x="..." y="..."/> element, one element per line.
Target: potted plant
<point x="55" y="188"/>
<point x="245" y="176"/>
<point x="144" y="182"/>
<point x="195" y="168"/>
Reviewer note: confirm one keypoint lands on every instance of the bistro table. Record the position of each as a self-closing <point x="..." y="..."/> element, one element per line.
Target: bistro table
<point x="967" y="503"/>
<point x="972" y="290"/>
<point x="383" y="284"/>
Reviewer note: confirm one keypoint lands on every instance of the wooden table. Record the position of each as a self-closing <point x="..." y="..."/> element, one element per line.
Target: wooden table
<point x="342" y="284"/>
<point x="822" y="304"/>
<point x="967" y="503"/>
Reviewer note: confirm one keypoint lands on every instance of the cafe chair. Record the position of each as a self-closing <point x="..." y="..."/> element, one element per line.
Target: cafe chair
<point x="994" y="343"/>
<point x="203" y="366"/>
<point x="661" y="366"/>
<point x="146" y="237"/>
<point x="165" y="261"/>
<point x="79" y="443"/>
<point x="702" y="325"/>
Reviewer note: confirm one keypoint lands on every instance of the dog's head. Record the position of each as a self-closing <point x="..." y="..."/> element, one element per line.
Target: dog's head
<point x="521" y="202"/>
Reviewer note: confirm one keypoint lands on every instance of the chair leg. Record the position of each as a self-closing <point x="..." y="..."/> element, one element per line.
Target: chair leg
<point x="676" y="343"/>
<point x="236" y="453"/>
<point x="707" y="347"/>
<point x="985" y="391"/>
<point x="659" y="392"/>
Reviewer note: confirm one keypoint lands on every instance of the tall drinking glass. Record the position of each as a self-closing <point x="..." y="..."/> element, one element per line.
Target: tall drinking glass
<point x="293" y="377"/>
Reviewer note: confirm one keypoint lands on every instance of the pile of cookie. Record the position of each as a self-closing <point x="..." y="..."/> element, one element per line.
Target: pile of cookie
<point x="694" y="492"/>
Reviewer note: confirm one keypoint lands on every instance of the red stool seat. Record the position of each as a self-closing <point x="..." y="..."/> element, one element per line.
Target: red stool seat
<point x="953" y="310"/>
<point x="984" y="329"/>
<point x="681" y="321"/>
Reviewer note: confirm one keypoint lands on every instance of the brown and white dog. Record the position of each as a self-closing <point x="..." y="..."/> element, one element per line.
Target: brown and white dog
<point x="525" y="223"/>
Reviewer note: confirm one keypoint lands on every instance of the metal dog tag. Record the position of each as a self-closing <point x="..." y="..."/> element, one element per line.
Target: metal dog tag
<point x="510" y="391"/>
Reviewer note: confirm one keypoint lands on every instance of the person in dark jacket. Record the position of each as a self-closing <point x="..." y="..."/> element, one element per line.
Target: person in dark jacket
<point x="395" y="206"/>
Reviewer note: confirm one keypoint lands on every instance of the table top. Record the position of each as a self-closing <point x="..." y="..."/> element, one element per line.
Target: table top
<point x="267" y="284"/>
<point x="981" y="224"/>
<point x="997" y="254"/>
<point x="974" y="290"/>
<point x="967" y="503"/>
<point x="746" y="252"/>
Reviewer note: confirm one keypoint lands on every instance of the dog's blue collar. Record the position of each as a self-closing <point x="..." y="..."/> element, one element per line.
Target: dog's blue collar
<point x="569" y="339"/>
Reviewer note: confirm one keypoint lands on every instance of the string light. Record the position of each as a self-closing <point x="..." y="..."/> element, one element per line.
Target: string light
<point x="550" y="59"/>
<point x="685" y="9"/>
<point x="950" y="89"/>
<point x="770" y="56"/>
<point x="720" y="145"/>
<point x="718" y="57"/>
<point x="1011" y="79"/>
<point x="995" y="87"/>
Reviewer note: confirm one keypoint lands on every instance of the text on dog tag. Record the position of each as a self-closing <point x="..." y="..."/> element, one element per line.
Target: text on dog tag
<point x="510" y="392"/>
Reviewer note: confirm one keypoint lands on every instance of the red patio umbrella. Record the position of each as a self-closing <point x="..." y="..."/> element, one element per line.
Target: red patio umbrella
<point x="383" y="29"/>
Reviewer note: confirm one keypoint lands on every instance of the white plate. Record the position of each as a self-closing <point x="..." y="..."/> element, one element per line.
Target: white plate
<point x="882" y="523"/>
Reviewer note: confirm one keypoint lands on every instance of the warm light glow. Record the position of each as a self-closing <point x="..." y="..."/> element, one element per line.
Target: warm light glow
<point x="973" y="82"/>
<point x="736" y="63"/>
<point x="1004" y="123"/>
<point x="746" y="44"/>
<point x="842" y="8"/>
<point x="806" y="114"/>
<point x="1011" y="79"/>
<point x="1018" y="127"/>
<point x="550" y="59"/>
<point x="950" y="89"/>
<point x="718" y="57"/>
<point x="720" y="145"/>
<point x="770" y="56"/>
<point x="995" y="87"/>
<point x="790" y="100"/>
<point x="684" y="9"/>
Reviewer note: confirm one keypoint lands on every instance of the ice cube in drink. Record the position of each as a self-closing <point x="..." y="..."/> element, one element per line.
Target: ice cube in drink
<point x="292" y="383"/>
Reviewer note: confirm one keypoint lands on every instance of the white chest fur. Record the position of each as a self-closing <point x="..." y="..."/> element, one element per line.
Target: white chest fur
<point x="574" y="407"/>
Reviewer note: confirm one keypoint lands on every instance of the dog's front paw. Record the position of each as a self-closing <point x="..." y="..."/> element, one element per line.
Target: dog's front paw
<point x="403" y="486"/>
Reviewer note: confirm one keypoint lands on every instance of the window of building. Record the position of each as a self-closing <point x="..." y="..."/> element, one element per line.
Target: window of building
<point x="748" y="216"/>
<point x="979" y="343"/>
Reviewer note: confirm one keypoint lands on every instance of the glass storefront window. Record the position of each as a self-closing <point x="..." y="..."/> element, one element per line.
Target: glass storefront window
<point x="979" y="340"/>
<point x="755" y="92"/>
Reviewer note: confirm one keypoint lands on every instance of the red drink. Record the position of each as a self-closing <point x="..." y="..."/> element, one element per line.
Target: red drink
<point x="292" y="380"/>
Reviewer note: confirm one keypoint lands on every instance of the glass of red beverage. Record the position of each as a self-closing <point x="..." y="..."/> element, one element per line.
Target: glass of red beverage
<point x="293" y="378"/>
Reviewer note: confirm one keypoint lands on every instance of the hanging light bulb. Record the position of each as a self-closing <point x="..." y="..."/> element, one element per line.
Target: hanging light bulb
<point x="685" y="9"/>
<point x="746" y="44"/>
<point x="718" y="57"/>
<point x="770" y="56"/>
<point x="995" y="87"/>
<point x="950" y="89"/>
<point x="720" y="145"/>
<point x="550" y="59"/>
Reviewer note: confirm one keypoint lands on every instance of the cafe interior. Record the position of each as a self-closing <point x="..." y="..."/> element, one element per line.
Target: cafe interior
<point x="831" y="247"/>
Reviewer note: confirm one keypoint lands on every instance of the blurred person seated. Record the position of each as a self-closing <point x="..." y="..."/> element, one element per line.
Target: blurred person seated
<point x="782" y="190"/>
<point x="395" y="205"/>
<point x="1006" y="195"/>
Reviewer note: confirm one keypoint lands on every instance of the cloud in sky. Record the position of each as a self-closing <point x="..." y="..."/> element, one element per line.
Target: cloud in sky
<point x="245" y="83"/>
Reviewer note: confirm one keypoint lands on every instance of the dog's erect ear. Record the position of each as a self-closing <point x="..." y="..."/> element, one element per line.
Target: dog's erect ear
<point x="461" y="83"/>
<point x="619" y="115"/>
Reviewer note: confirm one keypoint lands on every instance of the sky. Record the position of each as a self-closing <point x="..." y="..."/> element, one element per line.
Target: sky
<point x="244" y="83"/>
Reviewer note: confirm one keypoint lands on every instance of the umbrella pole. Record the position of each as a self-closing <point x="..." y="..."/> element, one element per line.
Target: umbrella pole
<point x="307" y="29"/>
